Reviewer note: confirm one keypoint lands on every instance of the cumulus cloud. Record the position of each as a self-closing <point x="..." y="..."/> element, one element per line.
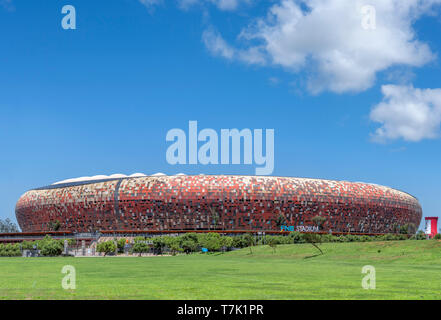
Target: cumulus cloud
<point x="217" y="46"/>
<point x="409" y="113"/>
<point x="336" y="42"/>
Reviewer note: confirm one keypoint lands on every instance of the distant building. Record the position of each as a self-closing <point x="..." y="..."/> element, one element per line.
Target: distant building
<point x="431" y="226"/>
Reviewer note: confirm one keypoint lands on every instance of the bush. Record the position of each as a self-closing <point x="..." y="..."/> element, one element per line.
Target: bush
<point x="106" y="247"/>
<point x="189" y="242"/>
<point x="49" y="247"/>
<point x="227" y="242"/>
<point x="211" y="241"/>
<point x="10" y="250"/>
<point x="138" y="239"/>
<point x="238" y="242"/>
<point x="121" y="243"/>
<point x="272" y="242"/>
<point x="420" y="235"/>
<point x="173" y="243"/>
<point x="296" y="237"/>
<point x="314" y="239"/>
<point x="28" y="245"/>
<point x="249" y="241"/>
<point x="437" y="236"/>
<point x="140" y="247"/>
<point x="158" y="244"/>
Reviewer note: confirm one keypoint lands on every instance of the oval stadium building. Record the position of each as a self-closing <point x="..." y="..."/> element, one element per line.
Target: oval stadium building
<point x="205" y="202"/>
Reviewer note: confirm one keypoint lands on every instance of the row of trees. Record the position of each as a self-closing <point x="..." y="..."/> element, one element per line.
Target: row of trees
<point x="47" y="247"/>
<point x="214" y="242"/>
<point x="189" y="242"/>
<point x="194" y="242"/>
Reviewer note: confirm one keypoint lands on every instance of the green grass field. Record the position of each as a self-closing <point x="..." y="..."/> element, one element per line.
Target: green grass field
<point x="404" y="270"/>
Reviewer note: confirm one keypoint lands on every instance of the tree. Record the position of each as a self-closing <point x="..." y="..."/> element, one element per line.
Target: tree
<point x="314" y="239"/>
<point x="211" y="241"/>
<point x="249" y="241"/>
<point x="189" y="242"/>
<point x="226" y="242"/>
<point x="120" y="244"/>
<point x="272" y="242"/>
<point x="238" y="242"/>
<point x="319" y="221"/>
<point x="140" y="247"/>
<point x="7" y="226"/>
<point x="10" y="250"/>
<point x="106" y="247"/>
<point x="159" y="244"/>
<point x="173" y="243"/>
<point x="50" y="247"/>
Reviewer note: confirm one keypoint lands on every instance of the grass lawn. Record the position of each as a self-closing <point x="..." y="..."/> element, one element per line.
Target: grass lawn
<point x="404" y="270"/>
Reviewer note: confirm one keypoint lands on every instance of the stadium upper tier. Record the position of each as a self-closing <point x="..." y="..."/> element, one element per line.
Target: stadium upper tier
<point x="222" y="202"/>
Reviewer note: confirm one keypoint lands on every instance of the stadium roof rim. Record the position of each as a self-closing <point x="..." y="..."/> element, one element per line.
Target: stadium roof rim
<point x="85" y="182"/>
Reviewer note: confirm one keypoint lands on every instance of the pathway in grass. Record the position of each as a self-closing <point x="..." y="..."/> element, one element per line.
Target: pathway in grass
<point x="404" y="270"/>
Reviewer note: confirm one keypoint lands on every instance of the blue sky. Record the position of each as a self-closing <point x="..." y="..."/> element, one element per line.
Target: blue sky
<point x="100" y="99"/>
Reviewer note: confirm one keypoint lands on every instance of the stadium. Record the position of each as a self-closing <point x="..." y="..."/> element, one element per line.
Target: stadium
<point x="214" y="202"/>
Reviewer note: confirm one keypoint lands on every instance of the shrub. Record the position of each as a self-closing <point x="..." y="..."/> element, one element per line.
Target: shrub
<point x="28" y="245"/>
<point x="420" y="235"/>
<point x="437" y="236"/>
<point x="227" y="242"/>
<point x="158" y="244"/>
<point x="189" y="246"/>
<point x="189" y="242"/>
<point x="140" y="247"/>
<point x="238" y="242"/>
<point x="106" y="247"/>
<point x="272" y="242"/>
<point x="120" y="244"/>
<point x="10" y="250"/>
<point x="49" y="246"/>
<point x="296" y="237"/>
<point x="248" y="239"/>
<point x="173" y="243"/>
<point x="211" y="241"/>
<point x="314" y="239"/>
<point x="138" y="239"/>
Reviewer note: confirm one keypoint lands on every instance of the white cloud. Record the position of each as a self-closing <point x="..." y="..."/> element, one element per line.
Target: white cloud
<point x="409" y="113"/>
<point x="219" y="47"/>
<point x="327" y="40"/>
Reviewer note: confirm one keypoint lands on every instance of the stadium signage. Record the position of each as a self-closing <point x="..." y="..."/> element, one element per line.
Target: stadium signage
<point x="208" y="152"/>
<point x="300" y="228"/>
